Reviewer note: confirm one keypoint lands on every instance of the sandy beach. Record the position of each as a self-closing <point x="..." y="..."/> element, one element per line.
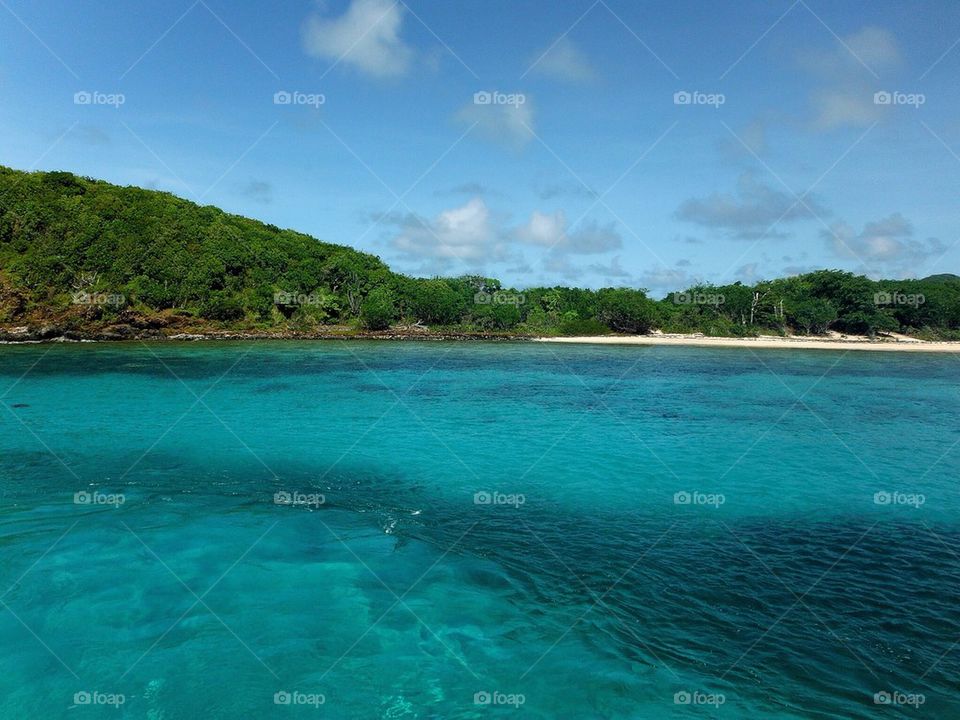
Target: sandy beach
<point x="834" y="341"/>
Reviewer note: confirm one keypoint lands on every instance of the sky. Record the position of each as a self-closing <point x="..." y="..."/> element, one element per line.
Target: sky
<point x="589" y="142"/>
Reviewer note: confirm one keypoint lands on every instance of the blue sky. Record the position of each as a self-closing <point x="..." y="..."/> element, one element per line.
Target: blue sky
<point x="585" y="167"/>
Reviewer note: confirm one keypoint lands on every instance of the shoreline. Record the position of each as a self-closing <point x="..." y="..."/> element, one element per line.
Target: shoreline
<point x="834" y="341"/>
<point x="768" y="342"/>
<point x="72" y="337"/>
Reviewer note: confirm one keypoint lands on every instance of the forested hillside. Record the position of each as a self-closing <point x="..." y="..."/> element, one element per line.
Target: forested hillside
<point x="84" y="256"/>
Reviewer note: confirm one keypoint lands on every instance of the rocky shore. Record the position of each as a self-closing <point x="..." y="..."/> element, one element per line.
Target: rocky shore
<point x="128" y="332"/>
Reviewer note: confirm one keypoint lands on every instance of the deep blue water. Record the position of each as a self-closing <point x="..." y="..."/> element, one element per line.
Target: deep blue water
<point x="565" y="532"/>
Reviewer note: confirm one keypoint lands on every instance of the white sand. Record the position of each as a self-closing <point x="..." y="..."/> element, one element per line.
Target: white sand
<point x="832" y="342"/>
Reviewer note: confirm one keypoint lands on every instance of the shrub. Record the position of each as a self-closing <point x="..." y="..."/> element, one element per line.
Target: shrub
<point x="378" y="309"/>
<point x="222" y="306"/>
<point x="581" y="326"/>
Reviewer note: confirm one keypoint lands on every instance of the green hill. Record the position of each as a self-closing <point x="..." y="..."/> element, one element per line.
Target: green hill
<point x="942" y="277"/>
<point x="84" y="258"/>
<point x="62" y="236"/>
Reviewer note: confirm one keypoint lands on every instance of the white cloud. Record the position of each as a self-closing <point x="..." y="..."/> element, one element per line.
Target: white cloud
<point x="845" y="74"/>
<point x="612" y="273"/>
<point x="543" y="229"/>
<point x="564" y="61"/>
<point x="850" y="106"/>
<point x="553" y="232"/>
<point x="885" y="246"/>
<point x="879" y="240"/>
<point x="663" y="280"/>
<point x="870" y="49"/>
<point x="366" y="36"/>
<point x="560" y="265"/>
<point x="748" y="274"/>
<point x="509" y="124"/>
<point x="466" y="233"/>
<point x="473" y="235"/>
<point x="751" y="212"/>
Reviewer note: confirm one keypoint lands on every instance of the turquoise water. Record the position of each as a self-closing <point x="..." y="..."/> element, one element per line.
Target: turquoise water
<point x="569" y="532"/>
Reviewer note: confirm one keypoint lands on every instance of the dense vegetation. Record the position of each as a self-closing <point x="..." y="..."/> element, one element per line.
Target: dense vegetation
<point x="87" y="254"/>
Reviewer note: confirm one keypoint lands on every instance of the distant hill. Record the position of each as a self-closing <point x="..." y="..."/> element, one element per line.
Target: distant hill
<point x="942" y="277"/>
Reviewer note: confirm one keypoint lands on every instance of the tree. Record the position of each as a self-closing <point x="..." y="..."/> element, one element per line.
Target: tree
<point x="378" y="309"/>
<point x="812" y="316"/>
<point x="625" y="310"/>
<point x="496" y="316"/>
<point x="434" y="302"/>
<point x="221" y="306"/>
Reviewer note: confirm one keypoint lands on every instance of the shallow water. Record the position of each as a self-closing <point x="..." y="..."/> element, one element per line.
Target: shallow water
<point x="598" y="532"/>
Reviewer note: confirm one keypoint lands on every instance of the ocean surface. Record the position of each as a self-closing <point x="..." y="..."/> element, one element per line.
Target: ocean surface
<point x="432" y="530"/>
